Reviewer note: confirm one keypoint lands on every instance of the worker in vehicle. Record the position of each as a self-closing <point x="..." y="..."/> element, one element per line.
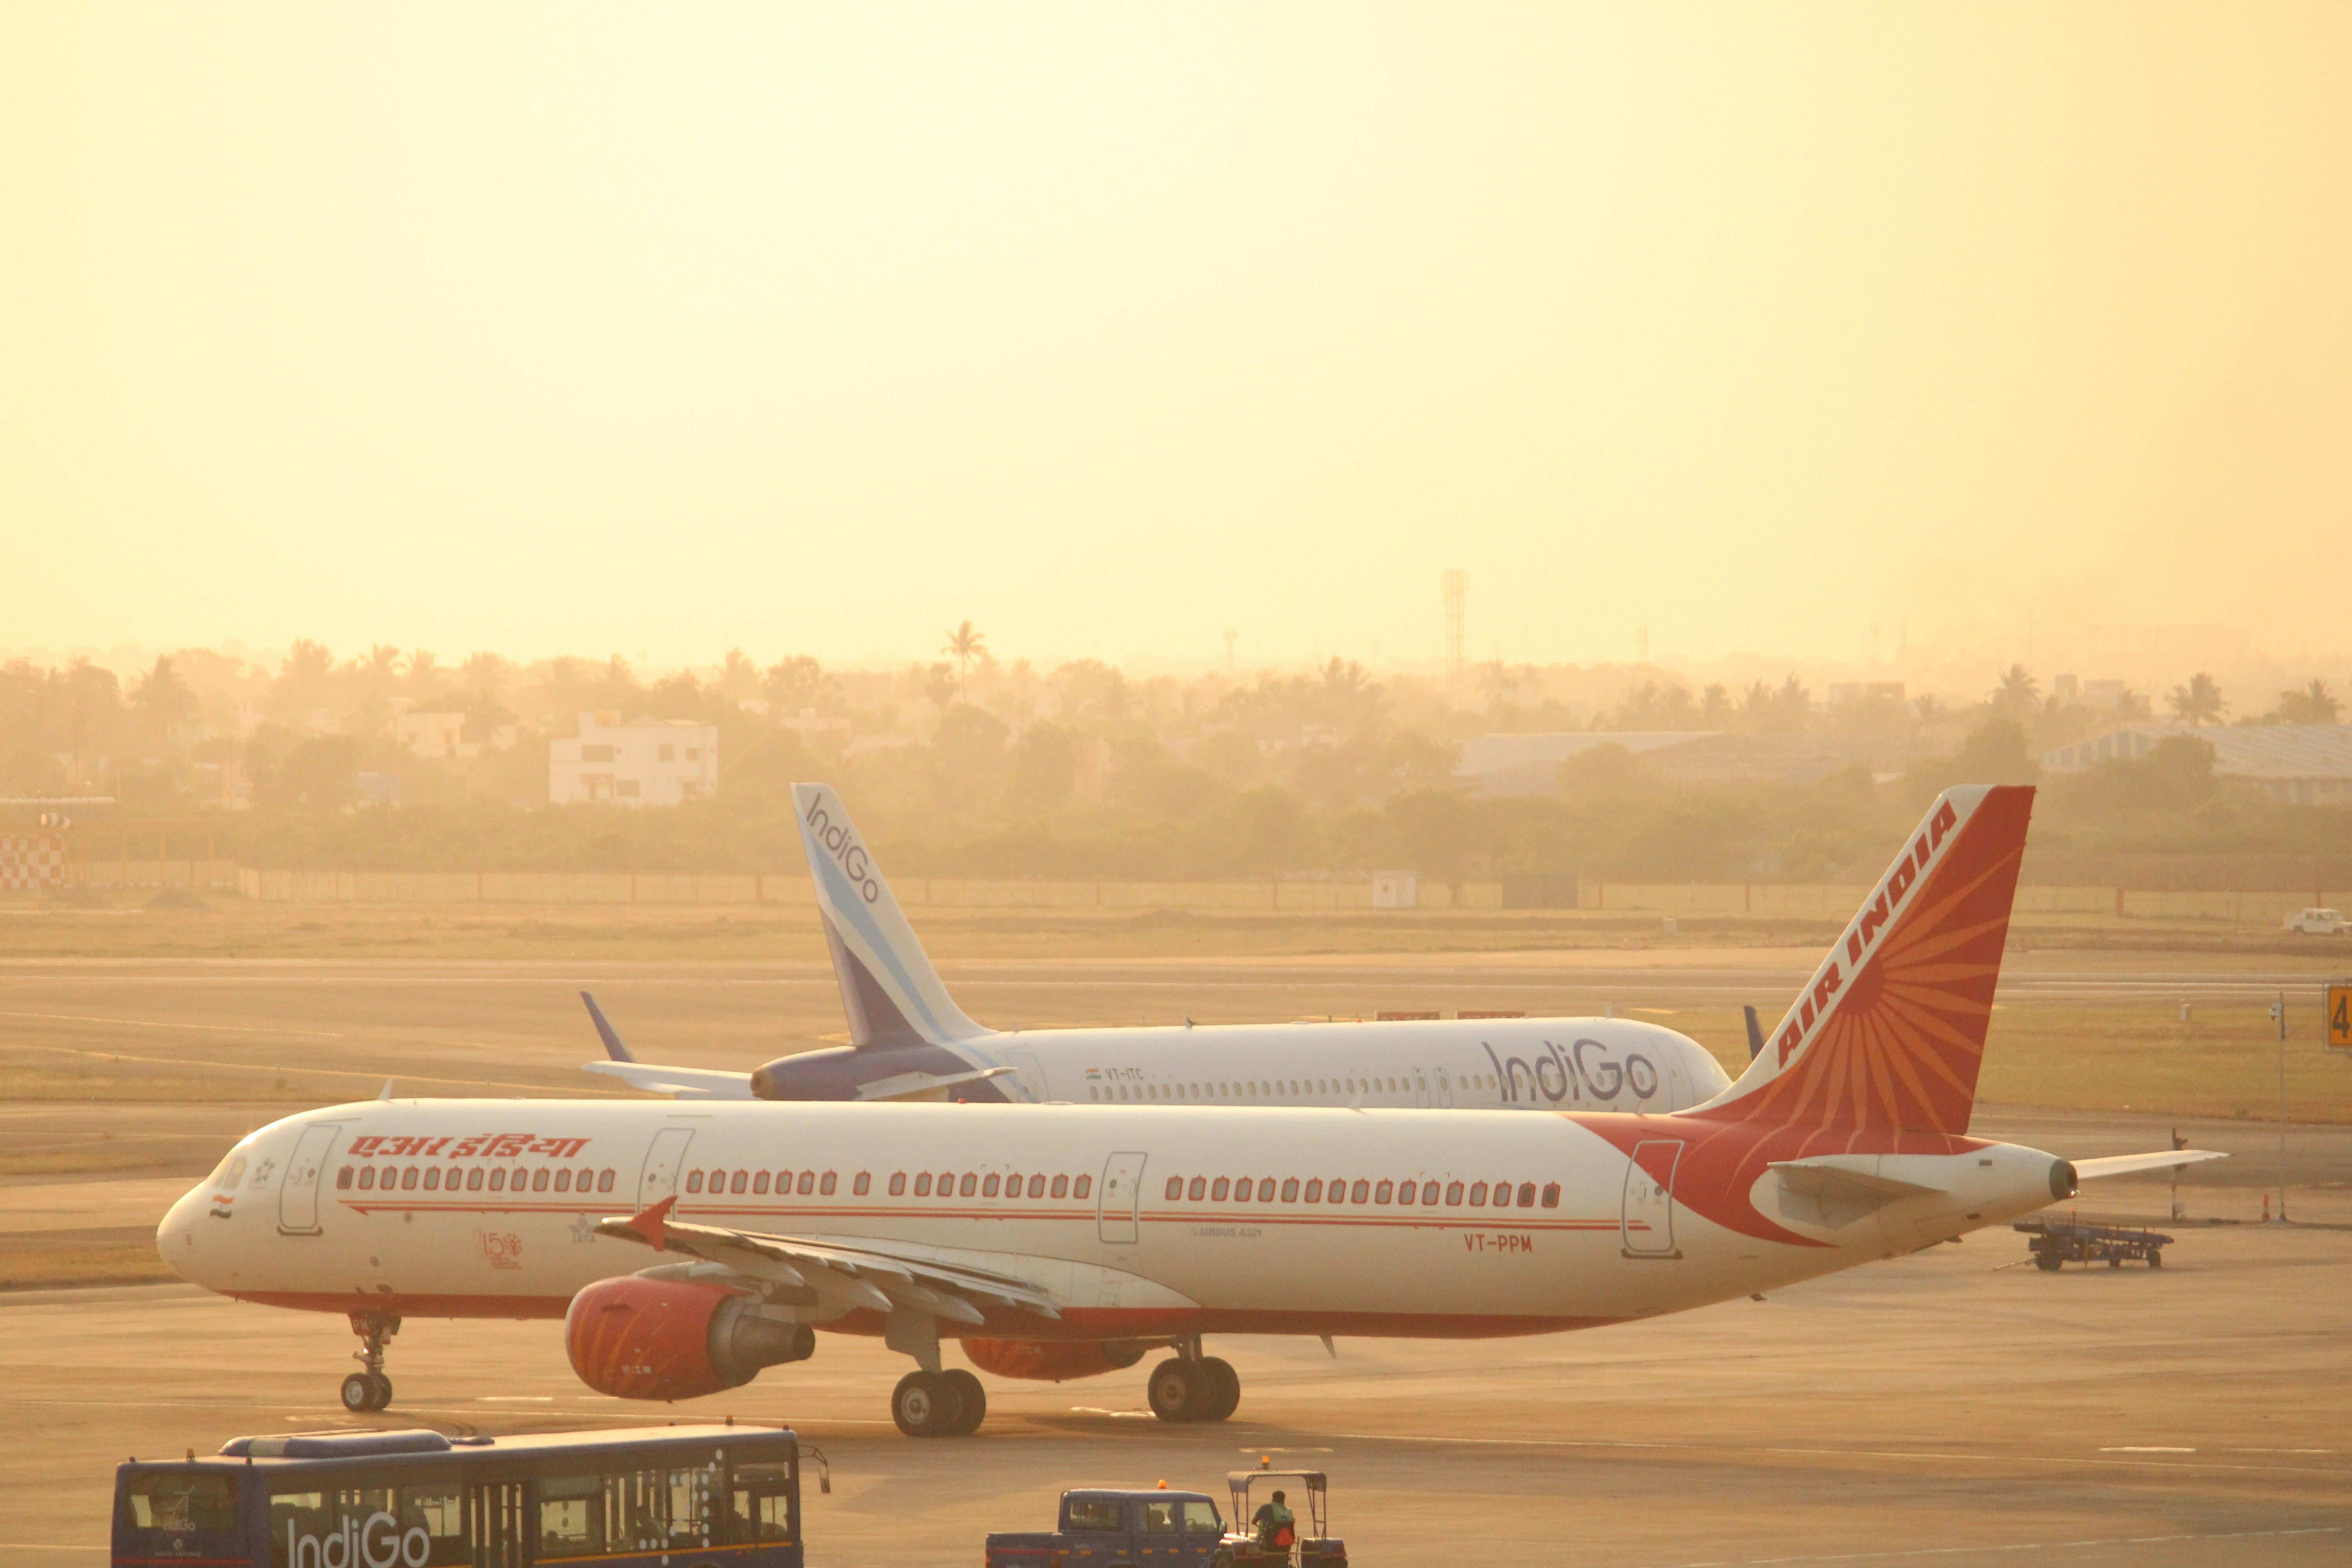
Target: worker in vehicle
<point x="1275" y="1523"/>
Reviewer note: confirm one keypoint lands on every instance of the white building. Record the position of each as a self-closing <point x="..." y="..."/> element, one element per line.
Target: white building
<point x="646" y="762"/>
<point x="2305" y="764"/>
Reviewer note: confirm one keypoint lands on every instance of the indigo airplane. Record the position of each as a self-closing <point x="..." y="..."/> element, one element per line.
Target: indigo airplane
<point x="908" y="1041"/>
<point x="686" y="1246"/>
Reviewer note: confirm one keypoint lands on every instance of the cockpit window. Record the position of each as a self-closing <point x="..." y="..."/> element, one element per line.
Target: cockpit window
<point x="231" y="1173"/>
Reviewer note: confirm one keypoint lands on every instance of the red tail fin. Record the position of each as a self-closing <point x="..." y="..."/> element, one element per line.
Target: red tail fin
<point x="1890" y="1033"/>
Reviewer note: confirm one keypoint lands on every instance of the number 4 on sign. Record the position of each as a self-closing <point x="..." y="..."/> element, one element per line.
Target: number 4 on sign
<point x="2339" y="1017"/>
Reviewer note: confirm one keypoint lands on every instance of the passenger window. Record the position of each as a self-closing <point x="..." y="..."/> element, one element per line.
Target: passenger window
<point x="1081" y="1187"/>
<point x="567" y="1517"/>
<point x="694" y="1181"/>
<point x="1428" y="1193"/>
<point x="899" y="1183"/>
<point x="1315" y="1191"/>
<point x="498" y="1179"/>
<point x="1454" y="1194"/>
<point x="826" y="1183"/>
<point x="539" y="1180"/>
<point x="1527" y="1194"/>
<point x="1266" y="1189"/>
<point x="343" y="1178"/>
<point x="1201" y="1519"/>
<point x="988" y="1188"/>
<point x="603" y="1180"/>
<point x="807" y="1181"/>
<point x="562" y="1179"/>
<point x="1037" y="1186"/>
<point x="742" y="1179"/>
<point x="408" y="1177"/>
<point x="1218" y="1189"/>
<point x="760" y="1502"/>
<point x="1477" y="1194"/>
<point x="1551" y="1194"/>
<point x="760" y="1183"/>
<point x="1290" y="1191"/>
<point x="367" y="1178"/>
<point x="1159" y="1516"/>
<point x="1381" y="1194"/>
<point x="1363" y="1193"/>
<point x="922" y="1185"/>
<point x="1093" y="1513"/>
<point x="1199" y="1190"/>
<point x="783" y="1181"/>
<point x="1406" y="1191"/>
<point x="1175" y="1188"/>
<point x="863" y="1185"/>
<point x="970" y="1183"/>
<point x="1062" y="1186"/>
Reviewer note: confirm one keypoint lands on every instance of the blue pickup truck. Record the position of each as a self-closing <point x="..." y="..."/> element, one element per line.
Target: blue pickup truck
<point x="1106" y="1528"/>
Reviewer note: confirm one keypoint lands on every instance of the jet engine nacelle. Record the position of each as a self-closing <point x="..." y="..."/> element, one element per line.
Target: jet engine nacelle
<point x="1053" y="1360"/>
<point x="639" y="1338"/>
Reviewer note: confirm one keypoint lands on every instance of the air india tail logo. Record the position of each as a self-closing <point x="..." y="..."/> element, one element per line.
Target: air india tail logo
<point x="1862" y="937"/>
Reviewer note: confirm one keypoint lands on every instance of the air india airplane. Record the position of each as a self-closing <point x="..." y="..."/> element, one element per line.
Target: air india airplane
<point x="908" y="1041"/>
<point x="687" y="1245"/>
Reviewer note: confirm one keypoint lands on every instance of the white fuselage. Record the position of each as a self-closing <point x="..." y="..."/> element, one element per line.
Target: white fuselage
<point x="450" y="1208"/>
<point x="1541" y="1064"/>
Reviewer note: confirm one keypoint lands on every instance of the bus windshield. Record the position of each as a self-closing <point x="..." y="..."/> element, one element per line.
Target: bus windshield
<point x="175" y="1499"/>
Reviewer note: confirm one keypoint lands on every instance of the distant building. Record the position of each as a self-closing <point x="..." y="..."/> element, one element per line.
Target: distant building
<point x="2308" y="764"/>
<point x="443" y="734"/>
<point x="646" y="762"/>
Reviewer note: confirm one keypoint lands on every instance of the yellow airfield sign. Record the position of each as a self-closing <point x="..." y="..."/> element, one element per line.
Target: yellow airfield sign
<point x="2339" y="1016"/>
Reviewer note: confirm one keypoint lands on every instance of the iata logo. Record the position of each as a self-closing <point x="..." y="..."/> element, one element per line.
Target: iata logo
<point x="378" y="1543"/>
<point x="842" y="848"/>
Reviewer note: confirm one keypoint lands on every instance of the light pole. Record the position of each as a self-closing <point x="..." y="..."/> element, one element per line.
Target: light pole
<point x="2278" y="1011"/>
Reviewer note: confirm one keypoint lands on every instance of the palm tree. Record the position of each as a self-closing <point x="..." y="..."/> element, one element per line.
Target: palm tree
<point x="964" y="645"/>
<point x="2018" y="690"/>
<point x="2315" y="704"/>
<point x="2199" y="702"/>
<point x="163" y="698"/>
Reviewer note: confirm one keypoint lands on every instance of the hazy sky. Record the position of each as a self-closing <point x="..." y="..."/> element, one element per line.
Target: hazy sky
<point x="599" y="328"/>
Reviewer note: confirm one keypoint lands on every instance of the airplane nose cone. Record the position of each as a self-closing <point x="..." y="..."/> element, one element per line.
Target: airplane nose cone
<point x="175" y="1235"/>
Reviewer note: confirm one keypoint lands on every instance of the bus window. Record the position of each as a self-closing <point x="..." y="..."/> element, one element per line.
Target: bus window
<point x="165" y="1500"/>
<point x="759" y="1502"/>
<point x="438" y="1510"/>
<point x="692" y="1505"/>
<point x="568" y="1516"/>
<point x="636" y="1511"/>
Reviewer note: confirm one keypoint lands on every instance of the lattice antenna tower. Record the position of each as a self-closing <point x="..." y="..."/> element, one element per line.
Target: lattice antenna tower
<point x="1457" y="630"/>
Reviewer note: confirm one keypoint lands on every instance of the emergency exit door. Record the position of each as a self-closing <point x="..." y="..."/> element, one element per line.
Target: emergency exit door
<point x="1119" y="1200"/>
<point x="664" y="1161"/>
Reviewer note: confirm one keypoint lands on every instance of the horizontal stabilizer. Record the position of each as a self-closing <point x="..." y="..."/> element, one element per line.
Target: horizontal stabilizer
<point x="678" y="1083"/>
<point x="2125" y="1164"/>
<point x="1832" y="1194"/>
<point x="923" y="1085"/>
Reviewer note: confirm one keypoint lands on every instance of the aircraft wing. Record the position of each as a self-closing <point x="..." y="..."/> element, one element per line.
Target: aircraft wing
<point x="678" y="1083"/>
<point x="873" y="1275"/>
<point x="2125" y="1164"/>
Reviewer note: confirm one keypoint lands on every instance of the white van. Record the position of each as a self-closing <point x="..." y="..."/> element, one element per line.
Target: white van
<point x="2318" y="922"/>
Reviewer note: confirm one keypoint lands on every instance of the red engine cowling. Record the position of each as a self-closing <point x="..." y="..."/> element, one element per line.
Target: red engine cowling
<point x="636" y="1338"/>
<point x="1053" y="1360"/>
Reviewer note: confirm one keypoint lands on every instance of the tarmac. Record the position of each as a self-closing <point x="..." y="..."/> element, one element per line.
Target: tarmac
<point x="1952" y="1407"/>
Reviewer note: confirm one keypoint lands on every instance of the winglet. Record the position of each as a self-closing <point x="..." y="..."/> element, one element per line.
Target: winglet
<point x="650" y="1226"/>
<point x="1755" y="1033"/>
<point x="612" y="1046"/>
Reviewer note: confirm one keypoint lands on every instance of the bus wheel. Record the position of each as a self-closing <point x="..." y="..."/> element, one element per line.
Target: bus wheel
<point x="925" y="1406"/>
<point x="972" y="1401"/>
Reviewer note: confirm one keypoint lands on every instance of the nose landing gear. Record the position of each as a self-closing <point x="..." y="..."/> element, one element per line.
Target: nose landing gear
<point x="370" y="1389"/>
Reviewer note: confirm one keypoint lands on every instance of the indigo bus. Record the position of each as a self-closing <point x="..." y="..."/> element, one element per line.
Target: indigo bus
<point x="689" y="1497"/>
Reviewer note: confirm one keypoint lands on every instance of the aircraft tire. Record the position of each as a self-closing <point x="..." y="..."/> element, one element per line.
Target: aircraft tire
<point x="1228" y="1385"/>
<point x="359" y="1393"/>
<point x="924" y="1405"/>
<point x="383" y="1391"/>
<point x="1179" y="1390"/>
<point x="972" y="1401"/>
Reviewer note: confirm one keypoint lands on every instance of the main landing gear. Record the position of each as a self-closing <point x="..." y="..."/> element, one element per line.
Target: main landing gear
<point x="1193" y="1388"/>
<point x="370" y="1390"/>
<point x="949" y="1404"/>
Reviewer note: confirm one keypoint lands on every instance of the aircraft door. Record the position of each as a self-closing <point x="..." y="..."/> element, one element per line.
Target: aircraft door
<point x="1029" y="1073"/>
<point x="306" y="1170"/>
<point x="664" y="1161"/>
<point x="1119" y="1200"/>
<point x="1647" y="1222"/>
